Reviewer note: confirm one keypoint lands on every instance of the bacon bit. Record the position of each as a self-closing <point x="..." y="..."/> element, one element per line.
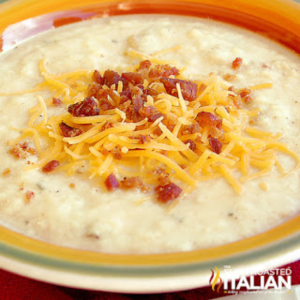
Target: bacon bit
<point x="72" y="185"/>
<point x="6" y="172"/>
<point x="170" y="123"/>
<point x="138" y="102"/>
<point x="97" y="77"/>
<point x="188" y="88"/>
<point x="190" y="129"/>
<point x="150" y="112"/>
<point x="50" y="166"/>
<point x="157" y="131"/>
<point x="145" y="64"/>
<point x="237" y="101"/>
<point x="56" y="101"/>
<point x="111" y="77"/>
<point x="134" y="78"/>
<point x="206" y="119"/>
<point x="237" y="63"/>
<point x="126" y="93"/>
<point x="229" y="77"/>
<point x="215" y="145"/>
<point x="28" y="196"/>
<point x="22" y="151"/>
<point x="108" y="124"/>
<point x="116" y="152"/>
<point x="68" y="131"/>
<point x="168" y="192"/>
<point x="192" y="144"/>
<point x="131" y="183"/>
<point x="85" y="108"/>
<point x="111" y="182"/>
<point x="93" y="89"/>
<point x="246" y="95"/>
<point x="163" y="71"/>
<point x="151" y="92"/>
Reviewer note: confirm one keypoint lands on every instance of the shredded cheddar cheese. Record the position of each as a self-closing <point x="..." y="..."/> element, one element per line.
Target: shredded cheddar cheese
<point x="179" y="140"/>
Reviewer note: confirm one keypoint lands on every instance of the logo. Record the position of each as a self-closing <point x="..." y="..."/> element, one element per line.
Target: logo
<point x="264" y="281"/>
<point x="213" y="284"/>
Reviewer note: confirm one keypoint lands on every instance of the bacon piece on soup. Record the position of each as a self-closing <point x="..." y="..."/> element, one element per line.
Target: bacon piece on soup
<point x="56" y="101"/>
<point x="111" y="182"/>
<point x="192" y="145"/>
<point x="111" y="77"/>
<point x="145" y="64"/>
<point x="163" y="71"/>
<point x="131" y="183"/>
<point x="206" y="119"/>
<point x="168" y="192"/>
<point x="150" y="112"/>
<point x="134" y="78"/>
<point x="68" y="131"/>
<point x="22" y="150"/>
<point x="97" y="77"/>
<point x="237" y="63"/>
<point x="87" y="107"/>
<point x="188" y="88"/>
<point x="93" y="89"/>
<point x="215" y="145"/>
<point x="246" y="95"/>
<point x="50" y="166"/>
<point x="190" y="129"/>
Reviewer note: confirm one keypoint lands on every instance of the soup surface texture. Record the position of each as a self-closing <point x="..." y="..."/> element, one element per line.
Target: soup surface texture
<point x="75" y="211"/>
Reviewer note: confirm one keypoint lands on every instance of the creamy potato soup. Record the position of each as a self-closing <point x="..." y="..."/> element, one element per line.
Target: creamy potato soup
<point x="243" y="191"/>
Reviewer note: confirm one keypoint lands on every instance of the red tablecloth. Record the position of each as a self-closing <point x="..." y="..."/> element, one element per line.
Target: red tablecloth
<point x="18" y="288"/>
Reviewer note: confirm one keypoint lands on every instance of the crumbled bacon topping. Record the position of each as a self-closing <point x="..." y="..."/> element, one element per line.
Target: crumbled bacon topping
<point x="216" y="145"/>
<point x="68" y="131"/>
<point x="237" y="63"/>
<point x="150" y="112"/>
<point x="56" y="101"/>
<point x="22" y="150"/>
<point x="168" y="192"/>
<point x="111" y="77"/>
<point x="97" y="77"/>
<point x="190" y="129"/>
<point x="134" y="78"/>
<point x="206" y="120"/>
<point x="111" y="182"/>
<point x="85" y="108"/>
<point x="131" y="183"/>
<point x="145" y="64"/>
<point x="192" y="144"/>
<point x="163" y="71"/>
<point x="246" y="95"/>
<point x="188" y="88"/>
<point x="50" y="166"/>
<point x="140" y="97"/>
